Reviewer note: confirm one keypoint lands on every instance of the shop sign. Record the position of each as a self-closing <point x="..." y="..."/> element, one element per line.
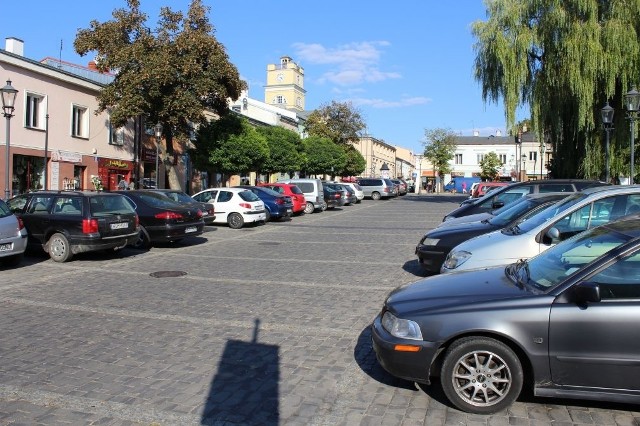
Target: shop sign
<point x="69" y="157"/>
<point x="116" y="164"/>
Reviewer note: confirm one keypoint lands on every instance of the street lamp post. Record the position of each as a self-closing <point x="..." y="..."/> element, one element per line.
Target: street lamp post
<point x="158" y="131"/>
<point x="419" y="179"/>
<point x="8" y="106"/>
<point x="632" y="100"/>
<point x="607" y="122"/>
<point x="523" y="171"/>
<point x="542" y="148"/>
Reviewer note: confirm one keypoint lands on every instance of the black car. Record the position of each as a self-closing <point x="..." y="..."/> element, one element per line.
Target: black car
<point x="564" y="323"/>
<point x="162" y="219"/>
<point x="504" y="195"/>
<point x="208" y="213"/>
<point x="334" y="195"/>
<point x="64" y="223"/>
<point x="434" y="246"/>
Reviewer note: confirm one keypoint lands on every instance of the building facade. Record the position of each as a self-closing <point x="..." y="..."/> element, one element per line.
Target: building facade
<point x="377" y="154"/>
<point x="285" y="85"/>
<point x="56" y="140"/>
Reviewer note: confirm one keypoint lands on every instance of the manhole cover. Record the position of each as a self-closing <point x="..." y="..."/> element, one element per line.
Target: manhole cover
<point x="269" y="243"/>
<point x="167" y="274"/>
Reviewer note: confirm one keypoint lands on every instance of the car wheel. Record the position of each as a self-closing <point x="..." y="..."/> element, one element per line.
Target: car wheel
<point x="143" y="242"/>
<point x="309" y="208"/>
<point x="58" y="248"/>
<point x="481" y="375"/>
<point x="235" y="221"/>
<point x="375" y="196"/>
<point x="268" y="215"/>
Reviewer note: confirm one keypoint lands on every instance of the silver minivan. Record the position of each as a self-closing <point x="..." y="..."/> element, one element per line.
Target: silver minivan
<point x="377" y="188"/>
<point x="313" y="193"/>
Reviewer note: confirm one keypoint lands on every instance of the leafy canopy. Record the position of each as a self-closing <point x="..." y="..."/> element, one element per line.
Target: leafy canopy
<point x="440" y="147"/>
<point x="340" y="122"/>
<point x="171" y="74"/>
<point x="490" y="166"/>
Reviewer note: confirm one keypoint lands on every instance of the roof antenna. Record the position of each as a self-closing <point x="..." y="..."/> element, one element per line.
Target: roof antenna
<point x="60" y="56"/>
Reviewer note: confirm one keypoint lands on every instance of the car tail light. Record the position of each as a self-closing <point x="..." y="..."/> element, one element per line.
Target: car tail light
<point x="386" y="190"/>
<point x="137" y="221"/>
<point x="245" y="206"/>
<point x="20" y="223"/>
<point x="199" y="214"/>
<point x="89" y="226"/>
<point x="279" y="201"/>
<point x="168" y="215"/>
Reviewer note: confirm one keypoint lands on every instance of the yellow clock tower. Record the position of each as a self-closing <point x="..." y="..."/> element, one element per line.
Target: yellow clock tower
<point x="285" y="85"/>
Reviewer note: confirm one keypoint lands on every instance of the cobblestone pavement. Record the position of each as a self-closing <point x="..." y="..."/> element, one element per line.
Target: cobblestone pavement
<point x="268" y="326"/>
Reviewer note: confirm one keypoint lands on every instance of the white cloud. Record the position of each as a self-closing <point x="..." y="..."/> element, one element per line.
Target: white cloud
<point x="381" y="103"/>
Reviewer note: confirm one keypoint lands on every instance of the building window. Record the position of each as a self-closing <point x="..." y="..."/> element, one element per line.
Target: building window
<point x="479" y="158"/>
<point x="79" y="122"/>
<point x="299" y="101"/>
<point x="116" y="136"/>
<point x="281" y="99"/>
<point x="458" y="159"/>
<point x="533" y="155"/>
<point x="34" y="111"/>
<point x="503" y="159"/>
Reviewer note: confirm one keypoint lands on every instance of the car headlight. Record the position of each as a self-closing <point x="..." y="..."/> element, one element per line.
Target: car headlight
<point x="429" y="241"/>
<point x="456" y="258"/>
<point x="401" y="328"/>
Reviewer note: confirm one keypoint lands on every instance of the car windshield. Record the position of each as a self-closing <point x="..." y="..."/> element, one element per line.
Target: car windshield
<point x="295" y="190"/>
<point x="248" y="196"/>
<point x="554" y="265"/>
<point x="270" y="192"/>
<point x="102" y="205"/>
<point x="521" y="209"/>
<point x="526" y="224"/>
<point x="153" y="199"/>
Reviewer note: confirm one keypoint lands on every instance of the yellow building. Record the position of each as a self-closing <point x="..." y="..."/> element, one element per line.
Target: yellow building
<point x="376" y="153"/>
<point x="285" y="85"/>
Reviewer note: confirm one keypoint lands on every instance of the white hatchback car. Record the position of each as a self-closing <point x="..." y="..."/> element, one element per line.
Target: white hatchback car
<point x="234" y="206"/>
<point x="571" y="215"/>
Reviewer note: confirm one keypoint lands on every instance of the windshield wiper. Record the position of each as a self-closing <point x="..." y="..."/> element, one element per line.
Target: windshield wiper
<point x="523" y="266"/>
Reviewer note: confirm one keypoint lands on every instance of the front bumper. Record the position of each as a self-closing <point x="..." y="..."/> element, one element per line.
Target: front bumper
<point x="173" y="232"/>
<point x="431" y="258"/>
<point x="412" y="366"/>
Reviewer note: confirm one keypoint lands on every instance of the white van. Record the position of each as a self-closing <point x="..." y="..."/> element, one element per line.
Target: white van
<point x="313" y="193"/>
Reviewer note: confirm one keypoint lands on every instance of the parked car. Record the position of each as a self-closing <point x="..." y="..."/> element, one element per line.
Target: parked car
<point x="313" y="193"/>
<point x="564" y="323"/>
<point x="334" y="195"/>
<point x="437" y="243"/>
<point x="163" y="220"/>
<point x="65" y="223"/>
<point x="351" y="197"/>
<point x="483" y="187"/>
<point x="277" y="206"/>
<point x="526" y="238"/>
<point x="402" y="186"/>
<point x="234" y="206"/>
<point x="357" y="190"/>
<point x="13" y="236"/>
<point x="148" y="183"/>
<point x="506" y="194"/>
<point x="290" y="190"/>
<point x="377" y="188"/>
<point x="461" y="185"/>
<point x="208" y="212"/>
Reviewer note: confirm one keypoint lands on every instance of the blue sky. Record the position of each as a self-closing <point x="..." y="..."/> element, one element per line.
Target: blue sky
<point x="406" y="66"/>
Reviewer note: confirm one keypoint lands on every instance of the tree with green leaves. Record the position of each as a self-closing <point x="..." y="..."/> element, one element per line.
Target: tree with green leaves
<point x="285" y="150"/>
<point x="169" y="74"/>
<point x="322" y="156"/>
<point x="440" y="147"/>
<point x="230" y="146"/>
<point x="564" y="60"/>
<point x="355" y="163"/>
<point x="339" y="121"/>
<point x="490" y="166"/>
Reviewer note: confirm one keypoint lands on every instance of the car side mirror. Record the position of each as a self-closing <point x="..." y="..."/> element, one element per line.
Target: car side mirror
<point x="553" y="234"/>
<point x="586" y="292"/>
<point x="497" y="204"/>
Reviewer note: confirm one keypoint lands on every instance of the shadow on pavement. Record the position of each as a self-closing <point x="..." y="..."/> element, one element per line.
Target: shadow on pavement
<point x="245" y="388"/>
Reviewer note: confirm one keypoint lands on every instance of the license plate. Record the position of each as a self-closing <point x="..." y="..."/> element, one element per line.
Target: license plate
<point x="121" y="225"/>
<point x="6" y="247"/>
<point x="190" y="229"/>
<point x="288" y="210"/>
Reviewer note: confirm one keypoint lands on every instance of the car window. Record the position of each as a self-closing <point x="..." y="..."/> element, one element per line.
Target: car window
<point x="551" y="211"/>
<point x="267" y="191"/>
<point x="4" y="209"/>
<point x="40" y="204"/>
<point x="593" y="214"/>
<point x="108" y="205"/>
<point x="67" y="206"/>
<point x="16" y="204"/>
<point x="620" y="280"/>
<point x="306" y="187"/>
<point x="206" y="196"/>
<point x="295" y="190"/>
<point x="248" y="196"/>
<point x="225" y="196"/>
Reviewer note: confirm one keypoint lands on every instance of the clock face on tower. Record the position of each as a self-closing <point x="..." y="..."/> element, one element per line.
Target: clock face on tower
<point x="280" y="77"/>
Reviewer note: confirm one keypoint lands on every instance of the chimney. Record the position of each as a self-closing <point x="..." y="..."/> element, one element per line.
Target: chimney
<point x="498" y="133"/>
<point x="14" y="45"/>
<point x="92" y="66"/>
<point x="476" y="133"/>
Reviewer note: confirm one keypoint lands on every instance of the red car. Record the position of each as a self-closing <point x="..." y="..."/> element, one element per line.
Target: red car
<point x="297" y="196"/>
